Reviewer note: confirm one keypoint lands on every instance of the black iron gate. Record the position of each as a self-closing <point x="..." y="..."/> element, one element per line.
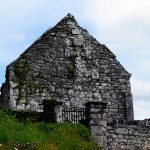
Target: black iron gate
<point x="73" y="115"/>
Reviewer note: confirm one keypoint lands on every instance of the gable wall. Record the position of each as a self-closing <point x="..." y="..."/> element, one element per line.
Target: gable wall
<point x="70" y="65"/>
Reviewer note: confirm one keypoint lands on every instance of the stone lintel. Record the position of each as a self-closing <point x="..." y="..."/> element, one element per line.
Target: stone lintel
<point x="96" y="104"/>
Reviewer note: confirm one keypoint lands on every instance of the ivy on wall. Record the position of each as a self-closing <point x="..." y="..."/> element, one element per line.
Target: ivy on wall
<point x="27" y="84"/>
<point x="21" y="70"/>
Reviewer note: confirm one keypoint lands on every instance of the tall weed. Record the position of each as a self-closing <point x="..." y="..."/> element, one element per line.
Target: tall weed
<point x="43" y="136"/>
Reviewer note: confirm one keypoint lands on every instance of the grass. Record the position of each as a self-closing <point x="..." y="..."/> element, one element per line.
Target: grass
<point x="42" y="136"/>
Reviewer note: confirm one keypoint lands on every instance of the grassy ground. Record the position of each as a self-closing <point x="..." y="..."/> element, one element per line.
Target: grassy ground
<point x="42" y="136"/>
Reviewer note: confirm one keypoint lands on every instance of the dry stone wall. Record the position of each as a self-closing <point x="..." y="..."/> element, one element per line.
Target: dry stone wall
<point x="97" y="122"/>
<point x="117" y="135"/>
<point x="134" y="135"/>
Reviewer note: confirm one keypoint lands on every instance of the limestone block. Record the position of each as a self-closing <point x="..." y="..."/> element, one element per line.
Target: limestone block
<point x="52" y="88"/>
<point x="88" y="54"/>
<point x="121" y="130"/>
<point x="81" y="95"/>
<point x="76" y="31"/>
<point x="79" y="41"/>
<point x="95" y="74"/>
<point x="16" y="92"/>
<point x="44" y="94"/>
<point x="104" y="84"/>
<point x="20" y="106"/>
<point x="11" y="92"/>
<point x="71" y="92"/>
<point x="114" y="136"/>
<point x="88" y="74"/>
<point x="22" y="101"/>
<point x="68" y="41"/>
<point x="89" y="95"/>
<point x="12" y="84"/>
<point x="12" y="102"/>
<point x="33" y="106"/>
<point x="71" y="24"/>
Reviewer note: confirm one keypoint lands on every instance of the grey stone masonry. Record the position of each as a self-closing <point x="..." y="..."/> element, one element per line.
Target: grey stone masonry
<point x="69" y="64"/>
<point x="133" y="135"/>
<point x="97" y="122"/>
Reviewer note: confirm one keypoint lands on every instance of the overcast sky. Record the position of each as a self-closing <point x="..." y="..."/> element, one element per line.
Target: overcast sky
<point x="122" y="25"/>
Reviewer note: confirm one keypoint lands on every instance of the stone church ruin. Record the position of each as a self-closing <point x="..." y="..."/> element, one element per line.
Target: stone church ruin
<point x="67" y="64"/>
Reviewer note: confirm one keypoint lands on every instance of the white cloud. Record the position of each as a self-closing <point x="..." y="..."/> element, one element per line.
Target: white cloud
<point x="20" y="37"/>
<point x="25" y="13"/>
<point x="107" y="11"/>
<point x="141" y="109"/>
<point x="12" y="38"/>
<point x="141" y="89"/>
<point x="130" y="31"/>
<point x="9" y="55"/>
<point x="144" y="67"/>
<point x="141" y="98"/>
<point x="10" y="46"/>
